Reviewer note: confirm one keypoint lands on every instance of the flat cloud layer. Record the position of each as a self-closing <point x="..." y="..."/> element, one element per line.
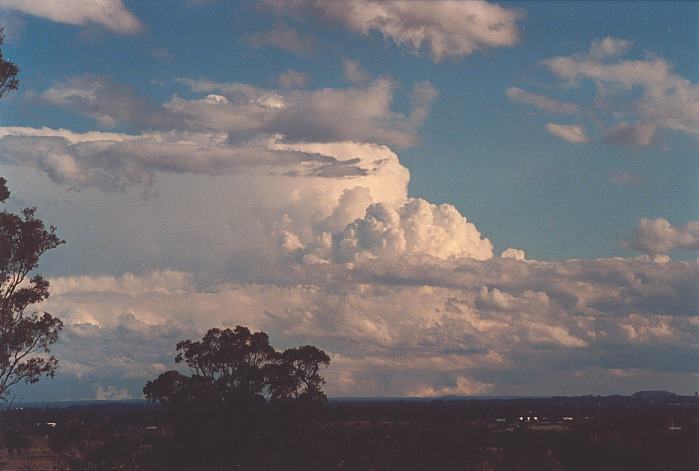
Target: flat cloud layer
<point x="400" y="328"/>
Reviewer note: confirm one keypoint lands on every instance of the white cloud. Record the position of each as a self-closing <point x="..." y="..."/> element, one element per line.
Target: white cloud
<point x="540" y="101"/>
<point x="463" y="387"/>
<point x="418" y="228"/>
<point x="110" y="14"/>
<point x="517" y="254"/>
<point x="568" y="132"/>
<point x="443" y="30"/>
<point x="658" y="236"/>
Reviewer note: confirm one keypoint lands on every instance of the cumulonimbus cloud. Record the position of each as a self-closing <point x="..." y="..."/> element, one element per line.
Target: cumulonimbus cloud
<point x="109" y="14"/>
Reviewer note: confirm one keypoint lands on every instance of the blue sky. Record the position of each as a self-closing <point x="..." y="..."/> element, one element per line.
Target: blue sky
<point x="565" y="132"/>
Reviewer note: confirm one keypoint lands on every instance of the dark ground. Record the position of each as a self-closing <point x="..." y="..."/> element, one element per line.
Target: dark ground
<point x="651" y="431"/>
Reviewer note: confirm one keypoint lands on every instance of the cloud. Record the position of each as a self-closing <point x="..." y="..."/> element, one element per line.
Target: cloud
<point x="395" y="327"/>
<point x="634" y="135"/>
<point x="635" y="98"/>
<point x="416" y="228"/>
<point x="110" y="14"/>
<point x="244" y="111"/>
<point x="354" y="72"/>
<point x="292" y="79"/>
<point x="658" y="236"/>
<point x="229" y="127"/>
<point x="568" y="132"/>
<point x="609" y="47"/>
<point x="463" y="387"/>
<point x="107" y="102"/>
<point x="516" y="254"/>
<point x="360" y="114"/>
<point x="540" y="101"/>
<point x="286" y="38"/>
<point x="442" y="30"/>
<point x="666" y="99"/>
<point x="110" y="393"/>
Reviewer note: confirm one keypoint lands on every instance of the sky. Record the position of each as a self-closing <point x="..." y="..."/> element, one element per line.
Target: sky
<point x="463" y="198"/>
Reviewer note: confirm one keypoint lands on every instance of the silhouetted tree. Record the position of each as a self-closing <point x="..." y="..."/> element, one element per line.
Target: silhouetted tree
<point x="8" y="71"/>
<point x="219" y="415"/>
<point x="236" y="360"/>
<point x="296" y="374"/>
<point x="23" y="239"/>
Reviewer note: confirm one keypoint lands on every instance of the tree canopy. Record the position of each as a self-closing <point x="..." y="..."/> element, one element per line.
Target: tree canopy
<point x="237" y="363"/>
<point x="242" y="401"/>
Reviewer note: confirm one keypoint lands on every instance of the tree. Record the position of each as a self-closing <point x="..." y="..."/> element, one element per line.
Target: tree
<point x="242" y="364"/>
<point x="25" y="337"/>
<point x="220" y="415"/>
<point x="8" y="71"/>
<point x="235" y="359"/>
<point x="296" y="374"/>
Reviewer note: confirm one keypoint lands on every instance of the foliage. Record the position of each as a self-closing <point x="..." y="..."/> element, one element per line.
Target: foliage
<point x="241" y="397"/>
<point x="25" y="337"/>
<point x="8" y="73"/>
<point x="241" y="365"/>
<point x="24" y="334"/>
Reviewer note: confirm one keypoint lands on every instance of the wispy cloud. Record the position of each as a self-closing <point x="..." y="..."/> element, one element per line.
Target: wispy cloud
<point x="568" y="132"/>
